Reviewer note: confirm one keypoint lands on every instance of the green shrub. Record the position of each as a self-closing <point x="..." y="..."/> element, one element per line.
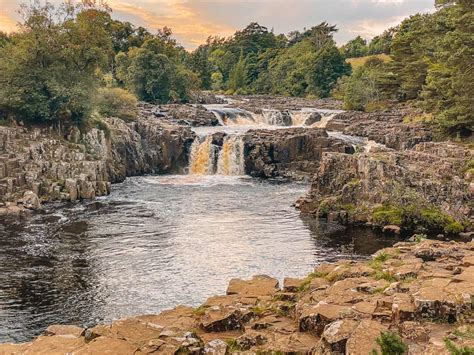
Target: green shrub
<point x="116" y="102"/>
<point x="391" y="344"/>
<point x="454" y="350"/>
<point x="454" y="228"/>
<point x="413" y="217"/>
<point x="388" y="215"/>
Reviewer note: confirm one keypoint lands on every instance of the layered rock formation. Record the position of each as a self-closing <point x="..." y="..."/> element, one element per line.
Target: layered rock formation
<point x="427" y="187"/>
<point x="387" y="128"/>
<point x="419" y="291"/>
<point x="41" y="164"/>
<point x="291" y="153"/>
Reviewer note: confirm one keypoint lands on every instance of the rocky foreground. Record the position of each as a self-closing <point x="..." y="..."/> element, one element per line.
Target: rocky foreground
<point x="420" y="291"/>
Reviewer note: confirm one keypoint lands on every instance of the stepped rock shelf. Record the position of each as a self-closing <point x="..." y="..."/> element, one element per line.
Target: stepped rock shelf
<point x="421" y="291"/>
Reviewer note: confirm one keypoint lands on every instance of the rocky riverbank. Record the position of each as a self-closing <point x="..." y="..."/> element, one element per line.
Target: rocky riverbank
<point x="426" y="189"/>
<point x="414" y="295"/>
<point x="256" y="103"/>
<point x="42" y="164"/>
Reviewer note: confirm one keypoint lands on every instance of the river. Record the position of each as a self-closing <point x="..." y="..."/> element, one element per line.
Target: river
<point x="160" y="241"/>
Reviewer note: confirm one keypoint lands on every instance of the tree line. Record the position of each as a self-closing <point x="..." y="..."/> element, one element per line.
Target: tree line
<point x="66" y="62"/>
<point x="431" y="65"/>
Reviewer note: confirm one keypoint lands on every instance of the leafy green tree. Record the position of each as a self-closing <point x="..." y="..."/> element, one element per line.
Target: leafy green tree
<point x="308" y="69"/>
<point x="217" y="81"/>
<point x="238" y="75"/>
<point x="408" y="52"/>
<point x="367" y="87"/>
<point x="152" y="75"/>
<point x="4" y="39"/>
<point x="355" y="48"/>
<point x="199" y="62"/>
<point x="325" y="67"/>
<point x="49" y="68"/>
<point x="124" y="35"/>
<point x="382" y="44"/>
<point x="449" y="89"/>
<point x="287" y="71"/>
<point x="147" y="72"/>
<point x="253" y="39"/>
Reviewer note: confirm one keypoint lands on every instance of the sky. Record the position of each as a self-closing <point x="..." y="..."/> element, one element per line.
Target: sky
<point x="192" y="21"/>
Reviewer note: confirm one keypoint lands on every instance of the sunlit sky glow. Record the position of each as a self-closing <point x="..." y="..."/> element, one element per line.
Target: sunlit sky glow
<point x="193" y="21"/>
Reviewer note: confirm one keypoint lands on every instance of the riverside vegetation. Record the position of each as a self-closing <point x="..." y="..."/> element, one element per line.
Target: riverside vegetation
<point x="86" y="100"/>
<point x="57" y="60"/>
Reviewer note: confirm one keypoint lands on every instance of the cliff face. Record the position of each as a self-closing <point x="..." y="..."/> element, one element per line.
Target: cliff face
<point x="417" y="186"/>
<point x="79" y="165"/>
<point x="420" y="291"/>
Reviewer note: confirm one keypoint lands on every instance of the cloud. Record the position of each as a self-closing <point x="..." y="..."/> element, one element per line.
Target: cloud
<point x="7" y="24"/>
<point x="187" y="26"/>
<point x="193" y="21"/>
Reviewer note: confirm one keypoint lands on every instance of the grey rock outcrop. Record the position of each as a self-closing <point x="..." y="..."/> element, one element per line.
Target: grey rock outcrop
<point x="385" y="128"/>
<point x="292" y="152"/>
<point x="70" y="166"/>
<point x="430" y="175"/>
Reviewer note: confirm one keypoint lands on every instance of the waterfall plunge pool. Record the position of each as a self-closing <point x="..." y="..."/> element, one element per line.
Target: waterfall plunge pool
<point x="154" y="243"/>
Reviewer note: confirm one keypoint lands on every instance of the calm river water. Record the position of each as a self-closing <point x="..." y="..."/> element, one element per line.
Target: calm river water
<point x="156" y="242"/>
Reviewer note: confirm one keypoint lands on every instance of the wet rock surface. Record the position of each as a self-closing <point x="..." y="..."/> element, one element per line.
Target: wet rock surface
<point x="189" y="115"/>
<point x="346" y="314"/>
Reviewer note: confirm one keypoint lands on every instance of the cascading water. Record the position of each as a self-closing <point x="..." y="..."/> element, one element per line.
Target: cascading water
<point x="233" y="116"/>
<point x="229" y="116"/>
<point x="209" y="159"/>
<point x="212" y="155"/>
<point x="201" y="160"/>
<point x="231" y="158"/>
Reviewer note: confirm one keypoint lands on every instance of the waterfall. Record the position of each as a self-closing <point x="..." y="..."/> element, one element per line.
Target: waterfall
<point x="323" y="122"/>
<point x="276" y="117"/>
<point x="201" y="161"/>
<point x="231" y="158"/>
<point x="233" y="116"/>
<point x="230" y="116"/>
<point x="208" y="159"/>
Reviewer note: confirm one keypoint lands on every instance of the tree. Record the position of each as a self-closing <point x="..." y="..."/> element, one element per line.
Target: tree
<point x="152" y="75"/>
<point x="4" y="39"/>
<point x="408" y="51"/>
<point x="355" y="48"/>
<point x="382" y="44"/>
<point x="125" y="36"/>
<point x="326" y="66"/>
<point x="217" y="81"/>
<point x="237" y="79"/>
<point x="450" y="81"/>
<point x="199" y="62"/>
<point x="49" y="68"/>
<point x="253" y="39"/>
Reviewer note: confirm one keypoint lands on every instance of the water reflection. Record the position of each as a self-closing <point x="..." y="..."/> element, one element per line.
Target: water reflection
<point x="153" y="243"/>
